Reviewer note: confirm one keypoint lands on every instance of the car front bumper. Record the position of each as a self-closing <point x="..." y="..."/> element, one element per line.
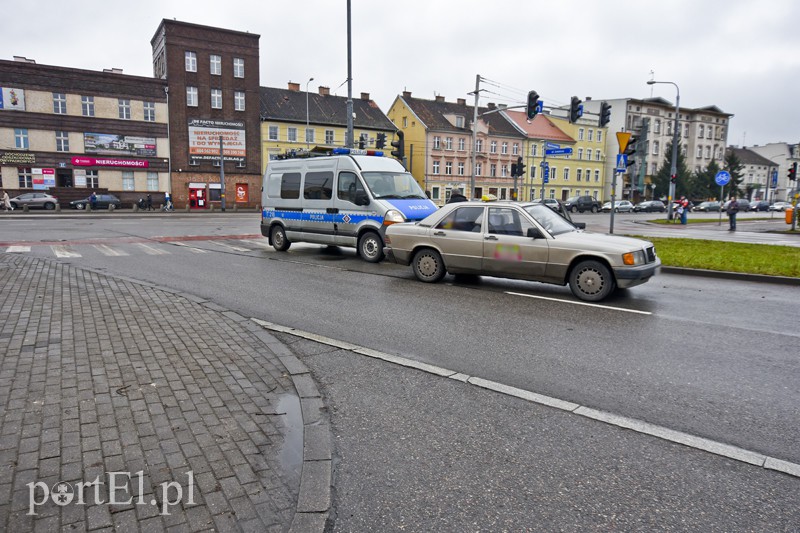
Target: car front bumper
<point x="632" y="276"/>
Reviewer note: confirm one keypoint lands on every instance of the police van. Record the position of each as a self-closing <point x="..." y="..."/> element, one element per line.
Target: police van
<point x="344" y="199"/>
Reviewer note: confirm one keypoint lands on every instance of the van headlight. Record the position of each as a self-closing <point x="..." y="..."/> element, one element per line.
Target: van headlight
<point x="633" y="258"/>
<point x="393" y="216"/>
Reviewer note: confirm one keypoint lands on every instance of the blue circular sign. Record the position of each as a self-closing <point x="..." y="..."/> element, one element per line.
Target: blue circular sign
<point x="722" y="178"/>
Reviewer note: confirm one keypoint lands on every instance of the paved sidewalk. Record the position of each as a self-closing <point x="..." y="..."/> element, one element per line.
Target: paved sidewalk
<point x="157" y="410"/>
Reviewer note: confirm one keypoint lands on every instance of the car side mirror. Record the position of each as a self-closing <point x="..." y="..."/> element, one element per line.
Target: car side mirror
<point x="534" y="233"/>
<point x="579" y="225"/>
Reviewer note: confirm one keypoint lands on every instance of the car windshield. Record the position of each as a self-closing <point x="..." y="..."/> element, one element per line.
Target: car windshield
<point x="393" y="185"/>
<point x="549" y="219"/>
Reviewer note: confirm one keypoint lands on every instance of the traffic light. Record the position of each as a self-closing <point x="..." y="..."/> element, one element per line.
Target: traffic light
<point x="605" y="113"/>
<point x="793" y="172"/>
<point x="520" y="167"/>
<point x="575" y="109"/>
<point x="630" y="150"/>
<point x="380" y="142"/>
<point x="400" y="153"/>
<point x="532" y="106"/>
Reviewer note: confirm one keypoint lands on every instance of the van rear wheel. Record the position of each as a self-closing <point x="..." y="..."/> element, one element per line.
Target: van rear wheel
<point x="279" y="240"/>
<point x="370" y="247"/>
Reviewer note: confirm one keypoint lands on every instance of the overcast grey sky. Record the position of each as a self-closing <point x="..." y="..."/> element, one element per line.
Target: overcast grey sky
<point x="741" y="56"/>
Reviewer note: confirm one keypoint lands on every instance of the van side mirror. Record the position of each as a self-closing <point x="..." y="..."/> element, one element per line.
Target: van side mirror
<point x="534" y="233"/>
<point x="361" y="198"/>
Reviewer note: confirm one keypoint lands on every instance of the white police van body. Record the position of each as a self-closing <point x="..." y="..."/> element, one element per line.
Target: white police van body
<point x="341" y="200"/>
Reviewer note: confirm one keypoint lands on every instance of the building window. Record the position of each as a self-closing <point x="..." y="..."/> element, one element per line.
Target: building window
<point x="25" y="178"/>
<point x="701" y="132"/>
<point x="124" y="107"/>
<point x="598" y="155"/>
<point x="597" y="176"/>
<point x="62" y="141"/>
<point x="21" y="138"/>
<point x="503" y="171"/>
<point x="238" y="100"/>
<point x="272" y="135"/>
<point x="685" y="130"/>
<point x="127" y="180"/>
<point x="699" y="152"/>
<point x="191" y="62"/>
<point x="515" y="149"/>
<point x="291" y="135"/>
<point x="461" y="145"/>
<point x="435" y="192"/>
<point x="309" y="135"/>
<point x="459" y="122"/>
<point x="493" y="148"/>
<point x="216" y="65"/>
<point x="655" y="147"/>
<point x="448" y="143"/>
<point x="708" y="152"/>
<point x="657" y="126"/>
<point x="238" y="67"/>
<point x="87" y="106"/>
<point x="460" y="168"/>
<point x="534" y="149"/>
<point x="405" y="122"/>
<point x="599" y="136"/>
<point x="448" y="168"/>
<point x="504" y="148"/>
<point x="150" y="111"/>
<point x="479" y="145"/>
<point x="566" y="174"/>
<point x="91" y="179"/>
<point x="578" y="174"/>
<point x="435" y="167"/>
<point x="152" y="181"/>
<point x="493" y="170"/>
<point x="580" y="153"/>
<point x="553" y="172"/>
<point x="580" y="134"/>
<point x="60" y="103"/>
<point x="590" y="135"/>
<point x="191" y="96"/>
<point x="216" y="98"/>
<point x="478" y="169"/>
<point x="437" y="143"/>
<point x="329" y="137"/>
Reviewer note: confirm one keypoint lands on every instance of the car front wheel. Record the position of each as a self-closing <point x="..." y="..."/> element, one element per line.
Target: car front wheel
<point x="279" y="240"/>
<point x="428" y="266"/>
<point x="591" y="281"/>
<point x="49" y="206"/>
<point x="80" y="206"/>
<point x="370" y="247"/>
<point x="594" y="209"/>
<point x="574" y="209"/>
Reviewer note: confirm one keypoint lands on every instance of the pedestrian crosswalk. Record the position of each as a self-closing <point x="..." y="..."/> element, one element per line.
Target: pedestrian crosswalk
<point x="149" y="248"/>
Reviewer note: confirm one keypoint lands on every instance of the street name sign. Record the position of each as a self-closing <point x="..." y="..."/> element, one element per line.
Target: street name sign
<point x="558" y="151"/>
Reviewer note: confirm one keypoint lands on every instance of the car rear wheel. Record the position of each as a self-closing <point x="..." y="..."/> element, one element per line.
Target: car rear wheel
<point x="80" y="206"/>
<point x="594" y="209"/>
<point x="279" y="240"/>
<point x="428" y="266"/>
<point x="49" y="206"/>
<point x="574" y="209"/>
<point x="591" y="281"/>
<point x="370" y="247"/>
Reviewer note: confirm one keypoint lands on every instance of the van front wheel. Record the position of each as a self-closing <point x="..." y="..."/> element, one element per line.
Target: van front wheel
<point x="370" y="247"/>
<point x="279" y="240"/>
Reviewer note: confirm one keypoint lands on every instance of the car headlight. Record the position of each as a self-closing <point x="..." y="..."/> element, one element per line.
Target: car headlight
<point x="393" y="216"/>
<point x="633" y="258"/>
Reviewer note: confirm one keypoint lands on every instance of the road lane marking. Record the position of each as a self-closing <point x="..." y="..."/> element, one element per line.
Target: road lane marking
<point x="64" y="251"/>
<point x="587" y="304"/>
<point x="632" y="424"/>
<point x="230" y="246"/>
<point x="18" y="249"/>
<point x="190" y="248"/>
<point x="150" y="250"/>
<point x="109" y="251"/>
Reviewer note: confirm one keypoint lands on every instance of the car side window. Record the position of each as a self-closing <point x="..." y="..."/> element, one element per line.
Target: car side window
<point x="348" y="186"/>
<point x="463" y="219"/>
<point x="506" y="221"/>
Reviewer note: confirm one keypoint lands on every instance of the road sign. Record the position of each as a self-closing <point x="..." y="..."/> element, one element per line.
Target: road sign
<point x="722" y="178"/>
<point x="622" y="163"/>
<point x="546" y="177"/>
<point x="552" y="146"/>
<point x="774" y="179"/>
<point x="545" y="164"/>
<point x="622" y="139"/>
<point x="558" y="151"/>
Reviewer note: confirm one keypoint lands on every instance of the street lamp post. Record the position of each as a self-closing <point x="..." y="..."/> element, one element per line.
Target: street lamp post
<point x="673" y="171"/>
<point x="308" y="144"/>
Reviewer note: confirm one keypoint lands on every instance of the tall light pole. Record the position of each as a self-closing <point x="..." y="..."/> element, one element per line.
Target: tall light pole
<point x="307" y="118"/>
<point x="673" y="171"/>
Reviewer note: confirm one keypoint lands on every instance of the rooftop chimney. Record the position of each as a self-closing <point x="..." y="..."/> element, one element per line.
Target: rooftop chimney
<point x="294" y="86"/>
<point x="492" y="105"/>
<point x="439" y="98"/>
<point x="365" y="96"/>
<point x="406" y="94"/>
<point x="324" y="91"/>
<point x="462" y="101"/>
<point x="113" y="70"/>
<point x="24" y="59"/>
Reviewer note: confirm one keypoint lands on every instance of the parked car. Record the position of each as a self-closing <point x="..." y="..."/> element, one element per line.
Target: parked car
<point x="707" y="207"/>
<point x="742" y="205"/>
<point x="582" y="203"/>
<point x="651" y="206"/>
<point x="104" y="201"/>
<point x="34" y="200"/>
<point x="620" y="206"/>
<point x="759" y="205"/>
<point x="780" y="206"/>
<point x="520" y="241"/>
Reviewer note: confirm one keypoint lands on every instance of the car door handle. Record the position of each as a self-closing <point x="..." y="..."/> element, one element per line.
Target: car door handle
<point x="491" y="238"/>
<point x="440" y="234"/>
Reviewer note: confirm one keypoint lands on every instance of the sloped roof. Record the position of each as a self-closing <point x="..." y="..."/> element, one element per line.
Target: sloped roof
<point x="541" y="127"/>
<point x="433" y="114"/>
<point x="749" y="157"/>
<point x="286" y="105"/>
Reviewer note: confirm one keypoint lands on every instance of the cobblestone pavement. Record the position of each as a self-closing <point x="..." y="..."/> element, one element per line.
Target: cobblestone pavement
<point x="126" y="407"/>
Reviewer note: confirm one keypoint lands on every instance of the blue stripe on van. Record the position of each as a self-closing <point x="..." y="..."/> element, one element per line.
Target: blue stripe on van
<point x="332" y="218"/>
<point x="413" y="209"/>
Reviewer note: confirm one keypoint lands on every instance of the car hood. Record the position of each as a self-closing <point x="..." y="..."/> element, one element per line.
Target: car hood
<point x="602" y="241"/>
<point x="413" y="209"/>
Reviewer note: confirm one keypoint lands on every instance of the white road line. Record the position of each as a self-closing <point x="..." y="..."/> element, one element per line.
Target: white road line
<point x="231" y="247"/>
<point x="639" y="426"/>
<point x="580" y="303"/>
<point x="109" y="251"/>
<point x="190" y="248"/>
<point x="150" y="250"/>
<point x="18" y="249"/>
<point x="63" y="251"/>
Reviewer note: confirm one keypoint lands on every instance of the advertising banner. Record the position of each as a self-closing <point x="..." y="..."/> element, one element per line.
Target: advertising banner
<point x="12" y="98"/>
<point x="110" y="162"/>
<point x="43" y="178"/>
<point x="204" y="136"/>
<point x="111" y="144"/>
<point x="242" y="192"/>
<point x="79" y="177"/>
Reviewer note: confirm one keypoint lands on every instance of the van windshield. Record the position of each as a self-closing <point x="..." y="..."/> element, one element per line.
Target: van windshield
<point x="393" y="185"/>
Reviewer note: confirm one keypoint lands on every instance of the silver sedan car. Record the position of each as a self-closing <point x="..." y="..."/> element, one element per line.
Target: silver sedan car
<point x="522" y="241"/>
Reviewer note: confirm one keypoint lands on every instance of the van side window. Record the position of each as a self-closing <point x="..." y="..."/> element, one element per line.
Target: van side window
<point x="349" y="185"/>
<point x="290" y="185"/>
<point x="463" y="219"/>
<point x="319" y="186"/>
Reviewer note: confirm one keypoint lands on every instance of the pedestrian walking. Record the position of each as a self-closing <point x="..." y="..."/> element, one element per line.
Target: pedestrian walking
<point x="93" y="201"/>
<point x="684" y="203"/>
<point x="7" y="202"/>
<point x="149" y="202"/>
<point x="456" y="196"/>
<point x="733" y="208"/>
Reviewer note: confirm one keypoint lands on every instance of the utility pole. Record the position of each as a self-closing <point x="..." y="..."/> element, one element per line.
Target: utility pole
<point x="221" y="174"/>
<point x="474" y="136"/>
<point x="349" y="140"/>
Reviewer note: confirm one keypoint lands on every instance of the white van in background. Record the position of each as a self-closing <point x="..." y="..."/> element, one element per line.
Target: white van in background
<point x="346" y="199"/>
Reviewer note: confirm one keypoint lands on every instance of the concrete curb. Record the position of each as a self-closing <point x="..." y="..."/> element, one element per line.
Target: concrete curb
<point x="718" y="274"/>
